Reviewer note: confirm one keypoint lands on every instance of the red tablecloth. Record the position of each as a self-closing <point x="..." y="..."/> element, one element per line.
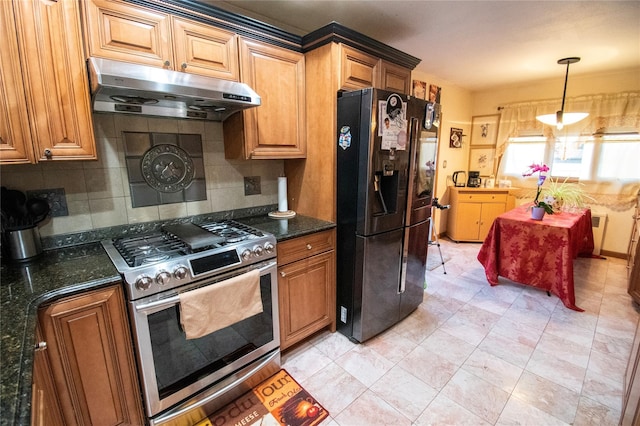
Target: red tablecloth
<point x="537" y="253"/>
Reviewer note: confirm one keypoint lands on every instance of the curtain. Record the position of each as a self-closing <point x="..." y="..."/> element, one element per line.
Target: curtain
<point x="619" y="110"/>
<point x="606" y="111"/>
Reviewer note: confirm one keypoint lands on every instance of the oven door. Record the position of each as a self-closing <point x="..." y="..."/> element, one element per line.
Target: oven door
<point x="174" y="368"/>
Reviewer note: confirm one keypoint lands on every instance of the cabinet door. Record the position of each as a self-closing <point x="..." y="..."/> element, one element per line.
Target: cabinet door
<point x="275" y="129"/>
<point x="395" y="77"/>
<point x="468" y="221"/>
<point x="124" y="32"/>
<point x="56" y="82"/>
<point x="358" y="70"/>
<point x="306" y="291"/>
<point x="489" y="212"/>
<point x="15" y="138"/>
<point x="45" y="408"/>
<point x="91" y="357"/>
<point x="205" y="50"/>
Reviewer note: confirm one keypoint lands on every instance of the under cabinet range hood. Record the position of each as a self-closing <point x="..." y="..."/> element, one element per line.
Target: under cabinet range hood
<point x="121" y="87"/>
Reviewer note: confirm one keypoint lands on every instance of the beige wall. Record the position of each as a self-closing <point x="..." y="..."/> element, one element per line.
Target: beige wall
<point x="460" y="105"/>
<point x="97" y="192"/>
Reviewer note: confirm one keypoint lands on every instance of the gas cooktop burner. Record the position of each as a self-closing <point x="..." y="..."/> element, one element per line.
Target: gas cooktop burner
<point x="185" y="252"/>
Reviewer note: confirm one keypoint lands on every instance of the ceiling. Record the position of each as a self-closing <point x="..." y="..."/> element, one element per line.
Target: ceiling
<point x="476" y="45"/>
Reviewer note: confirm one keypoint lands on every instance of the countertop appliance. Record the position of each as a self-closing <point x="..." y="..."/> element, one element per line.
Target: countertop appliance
<point x="459" y="178"/>
<point x="385" y="175"/>
<point x="183" y="376"/>
<point x="122" y="87"/>
<point x="474" y="180"/>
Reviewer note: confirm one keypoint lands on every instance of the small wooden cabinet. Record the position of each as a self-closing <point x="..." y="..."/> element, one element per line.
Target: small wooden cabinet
<point x="276" y="129"/>
<point x="90" y="353"/>
<point x="44" y="90"/>
<point x="129" y="33"/>
<point x="306" y="286"/>
<point x="473" y="211"/>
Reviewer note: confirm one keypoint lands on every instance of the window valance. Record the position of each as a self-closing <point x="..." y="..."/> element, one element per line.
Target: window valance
<point x="605" y="111"/>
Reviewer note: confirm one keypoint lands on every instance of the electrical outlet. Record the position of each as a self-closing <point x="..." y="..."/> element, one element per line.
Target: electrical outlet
<point x="252" y="185"/>
<point x="343" y="314"/>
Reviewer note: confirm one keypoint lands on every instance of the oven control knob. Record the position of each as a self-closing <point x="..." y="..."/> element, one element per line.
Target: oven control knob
<point x="257" y="250"/>
<point x="163" y="277"/>
<point x="246" y="255"/>
<point x="180" y="273"/>
<point x="143" y="282"/>
<point x="268" y="247"/>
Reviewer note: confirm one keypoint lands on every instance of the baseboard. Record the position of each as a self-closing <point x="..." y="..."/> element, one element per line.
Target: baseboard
<point x="607" y="253"/>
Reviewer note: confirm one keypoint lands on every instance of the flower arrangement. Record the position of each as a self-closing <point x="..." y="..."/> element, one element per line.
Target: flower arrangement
<point x="547" y="203"/>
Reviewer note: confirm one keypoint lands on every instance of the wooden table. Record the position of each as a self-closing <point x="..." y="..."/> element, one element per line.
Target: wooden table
<point x="537" y="253"/>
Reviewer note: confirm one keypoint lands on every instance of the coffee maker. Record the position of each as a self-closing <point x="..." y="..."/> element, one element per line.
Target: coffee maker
<point x="474" y="180"/>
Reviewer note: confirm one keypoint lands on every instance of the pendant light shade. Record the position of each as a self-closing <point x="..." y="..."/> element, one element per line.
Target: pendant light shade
<point x="561" y="118"/>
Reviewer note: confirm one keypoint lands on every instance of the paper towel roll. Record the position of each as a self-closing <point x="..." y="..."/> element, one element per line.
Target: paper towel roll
<point x="282" y="194"/>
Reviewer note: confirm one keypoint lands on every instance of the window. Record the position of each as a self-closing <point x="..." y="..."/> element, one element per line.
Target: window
<point x="610" y="157"/>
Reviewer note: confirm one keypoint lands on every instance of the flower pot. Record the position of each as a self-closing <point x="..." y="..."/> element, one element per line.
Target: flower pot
<point x="537" y="213"/>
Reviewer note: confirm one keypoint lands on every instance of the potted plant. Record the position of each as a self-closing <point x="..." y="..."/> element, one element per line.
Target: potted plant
<point x="539" y="208"/>
<point x="566" y="194"/>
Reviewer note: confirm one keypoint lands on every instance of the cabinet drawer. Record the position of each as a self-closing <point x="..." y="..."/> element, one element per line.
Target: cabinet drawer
<point x="305" y="246"/>
<point x="482" y="197"/>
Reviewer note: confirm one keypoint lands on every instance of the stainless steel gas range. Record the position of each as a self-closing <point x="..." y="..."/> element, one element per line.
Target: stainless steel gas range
<point x="184" y="379"/>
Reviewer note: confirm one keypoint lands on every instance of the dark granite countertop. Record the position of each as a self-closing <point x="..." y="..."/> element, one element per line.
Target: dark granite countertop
<point x="72" y="269"/>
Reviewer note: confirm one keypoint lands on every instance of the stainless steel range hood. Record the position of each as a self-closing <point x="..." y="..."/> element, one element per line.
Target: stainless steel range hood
<point x="121" y="87"/>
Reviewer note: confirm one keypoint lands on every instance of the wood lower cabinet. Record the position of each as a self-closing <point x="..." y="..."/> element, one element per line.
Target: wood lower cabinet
<point x="631" y="397"/>
<point x="90" y="353"/>
<point x="306" y="286"/>
<point x="44" y="81"/>
<point x="473" y="211"/>
<point x="45" y="407"/>
<point x="276" y="129"/>
<point x="126" y="32"/>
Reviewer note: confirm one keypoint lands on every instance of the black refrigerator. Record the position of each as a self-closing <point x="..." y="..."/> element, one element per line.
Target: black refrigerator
<point x="387" y="144"/>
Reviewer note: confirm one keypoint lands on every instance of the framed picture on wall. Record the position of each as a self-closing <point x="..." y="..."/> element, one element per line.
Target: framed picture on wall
<point x="419" y="89"/>
<point x="482" y="160"/>
<point x="484" y="129"/>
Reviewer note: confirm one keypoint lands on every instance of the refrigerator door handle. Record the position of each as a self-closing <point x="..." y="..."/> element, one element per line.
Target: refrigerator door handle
<point x="405" y="260"/>
<point x="376" y="188"/>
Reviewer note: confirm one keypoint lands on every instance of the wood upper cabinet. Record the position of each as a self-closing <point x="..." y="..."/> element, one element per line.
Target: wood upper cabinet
<point x="129" y="33"/>
<point x="394" y="77"/>
<point x="276" y="129"/>
<point x="91" y="357"/>
<point x="54" y="87"/>
<point x="15" y="137"/>
<point x="360" y="70"/>
<point x="306" y="286"/>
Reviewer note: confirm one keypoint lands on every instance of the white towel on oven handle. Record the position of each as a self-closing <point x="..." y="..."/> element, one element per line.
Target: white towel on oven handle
<point x="216" y="306"/>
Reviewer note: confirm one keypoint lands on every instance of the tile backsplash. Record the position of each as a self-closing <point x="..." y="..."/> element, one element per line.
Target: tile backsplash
<point x="97" y="192"/>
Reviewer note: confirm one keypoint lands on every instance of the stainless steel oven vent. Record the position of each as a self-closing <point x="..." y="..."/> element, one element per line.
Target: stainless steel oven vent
<point x="121" y="87"/>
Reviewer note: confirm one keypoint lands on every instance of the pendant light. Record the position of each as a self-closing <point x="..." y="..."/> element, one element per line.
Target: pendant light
<point x="560" y="118"/>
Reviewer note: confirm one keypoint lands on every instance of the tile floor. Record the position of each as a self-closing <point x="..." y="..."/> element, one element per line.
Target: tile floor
<point x="473" y="354"/>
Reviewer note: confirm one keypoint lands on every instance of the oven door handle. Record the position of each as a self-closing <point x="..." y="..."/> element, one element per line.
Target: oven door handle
<point x="189" y="405"/>
<point x="176" y="299"/>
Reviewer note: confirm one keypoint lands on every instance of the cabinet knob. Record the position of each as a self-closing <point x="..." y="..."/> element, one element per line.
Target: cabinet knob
<point x="309" y="247"/>
<point x="183" y="66"/>
<point x="40" y="346"/>
<point x="167" y="63"/>
<point x="48" y="154"/>
<point x="283" y="274"/>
